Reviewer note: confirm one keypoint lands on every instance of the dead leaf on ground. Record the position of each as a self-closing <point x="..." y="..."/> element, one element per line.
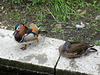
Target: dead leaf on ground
<point x="58" y="25"/>
<point x="1" y="8"/>
<point x="83" y="12"/>
<point x="79" y="10"/>
<point x="0" y="22"/>
<point x="97" y="17"/>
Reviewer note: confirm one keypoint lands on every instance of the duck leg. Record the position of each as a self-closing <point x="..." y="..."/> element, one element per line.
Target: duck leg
<point x="37" y="40"/>
<point x="23" y="48"/>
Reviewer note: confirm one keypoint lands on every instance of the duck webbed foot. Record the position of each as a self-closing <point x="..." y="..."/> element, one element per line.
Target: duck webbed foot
<point x="23" y="48"/>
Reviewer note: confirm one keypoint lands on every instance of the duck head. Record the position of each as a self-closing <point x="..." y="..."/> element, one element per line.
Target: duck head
<point x="18" y="25"/>
<point x="20" y="31"/>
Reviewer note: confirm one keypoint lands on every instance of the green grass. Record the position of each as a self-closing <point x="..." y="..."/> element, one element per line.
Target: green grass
<point x="62" y="12"/>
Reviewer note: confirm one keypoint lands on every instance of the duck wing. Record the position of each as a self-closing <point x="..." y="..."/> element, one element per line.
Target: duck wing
<point x="78" y="48"/>
<point x="35" y="28"/>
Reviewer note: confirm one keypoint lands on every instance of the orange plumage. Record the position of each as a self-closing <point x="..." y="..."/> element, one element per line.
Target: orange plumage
<point x="35" y="29"/>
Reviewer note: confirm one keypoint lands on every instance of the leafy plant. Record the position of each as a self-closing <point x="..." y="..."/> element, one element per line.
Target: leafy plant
<point x="16" y="1"/>
<point x="97" y="42"/>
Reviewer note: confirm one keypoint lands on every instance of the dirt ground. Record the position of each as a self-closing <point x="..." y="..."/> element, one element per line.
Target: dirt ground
<point x="67" y="31"/>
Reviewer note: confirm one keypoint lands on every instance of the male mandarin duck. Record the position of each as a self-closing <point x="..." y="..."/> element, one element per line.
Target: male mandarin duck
<point x="23" y="34"/>
<point x="75" y="49"/>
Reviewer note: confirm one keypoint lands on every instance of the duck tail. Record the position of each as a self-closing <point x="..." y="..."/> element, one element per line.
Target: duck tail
<point x="42" y="32"/>
<point x="94" y="49"/>
<point x="38" y="27"/>
<point x="91" y="48"/>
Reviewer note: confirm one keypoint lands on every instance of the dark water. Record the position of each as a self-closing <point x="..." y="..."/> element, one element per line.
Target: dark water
<point x="10" y="67"/>
<point x="5" y="70"/>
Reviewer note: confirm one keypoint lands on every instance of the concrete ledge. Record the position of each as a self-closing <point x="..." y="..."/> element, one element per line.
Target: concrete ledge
<point x="42" y="57"/>
<point x="15" y="67"/>
<point x="89" y="64"/>
<point x="45" y="53"/>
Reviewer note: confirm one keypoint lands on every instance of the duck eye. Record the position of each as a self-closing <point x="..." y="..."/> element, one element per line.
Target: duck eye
<point x="18" y="27"/>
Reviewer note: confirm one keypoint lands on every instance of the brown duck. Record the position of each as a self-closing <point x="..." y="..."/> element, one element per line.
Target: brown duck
<point x="75" y="49"/>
